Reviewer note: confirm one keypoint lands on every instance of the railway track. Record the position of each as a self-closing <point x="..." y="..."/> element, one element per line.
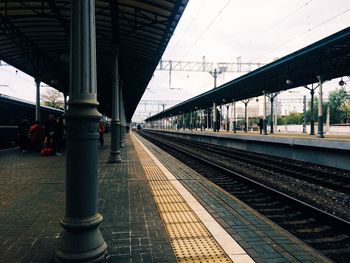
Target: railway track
<point x="335" y="179"/>
<point x="323" y="231"/>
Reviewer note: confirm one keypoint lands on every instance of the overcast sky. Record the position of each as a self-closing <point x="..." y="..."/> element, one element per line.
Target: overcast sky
<point x="222" y="30"/>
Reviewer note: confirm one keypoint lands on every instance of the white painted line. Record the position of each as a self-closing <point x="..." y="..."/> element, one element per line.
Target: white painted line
<point x="228" y="244"/>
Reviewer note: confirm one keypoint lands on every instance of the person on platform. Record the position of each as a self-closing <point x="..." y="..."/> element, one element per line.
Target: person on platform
<point x="101" y="131"/>
<point x="22" y="135"/>
<point x="37" y="136"/>
<point x="50" y="127"/>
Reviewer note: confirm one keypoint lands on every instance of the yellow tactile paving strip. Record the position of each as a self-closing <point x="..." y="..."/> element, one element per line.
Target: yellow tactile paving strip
<point x="190" y="239"/>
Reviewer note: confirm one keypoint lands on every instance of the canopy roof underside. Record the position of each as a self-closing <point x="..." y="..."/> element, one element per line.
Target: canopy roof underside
<point x="34" y="37"/>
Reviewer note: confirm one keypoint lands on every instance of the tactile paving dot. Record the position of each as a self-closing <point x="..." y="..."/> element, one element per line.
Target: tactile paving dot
<point x="177" y="231"/>
<point x="189" y="238"/>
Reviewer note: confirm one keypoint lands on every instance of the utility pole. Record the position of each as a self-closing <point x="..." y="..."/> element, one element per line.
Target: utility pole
<point x="215" y="74"/>
<point x="163" y="105"/>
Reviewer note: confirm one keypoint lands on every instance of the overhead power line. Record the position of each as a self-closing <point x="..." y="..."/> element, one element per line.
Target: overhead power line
<point x="305" y="32"/>
<point x="279" y="22"/>
<point x="188" y="27"/>
<point x="206" y="29"/>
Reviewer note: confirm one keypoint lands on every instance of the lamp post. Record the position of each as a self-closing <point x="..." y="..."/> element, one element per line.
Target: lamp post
<point x="215" y="74"/>
<point x="320" y="113"/>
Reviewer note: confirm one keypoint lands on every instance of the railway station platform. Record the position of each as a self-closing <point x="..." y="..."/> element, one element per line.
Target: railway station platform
<point x="155" y="209"/>
<point x="333" y="150"/>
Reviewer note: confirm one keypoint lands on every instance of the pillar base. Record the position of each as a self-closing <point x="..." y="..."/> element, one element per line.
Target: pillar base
<point x="114" y="157"/>
<point x="82" y="240"/>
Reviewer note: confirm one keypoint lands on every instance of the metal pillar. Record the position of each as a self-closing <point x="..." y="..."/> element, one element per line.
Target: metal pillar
<point x="37" y="100"/>
<point x="320" y="113"/>
<point x="202" y="120"/>
<point x="191" y="121"/>
<point x="264" y="116"/>
<point x="312" y="120"/>
<point x="234" y="117"/>
<point x="208" y="109"/>
<point x="227" y="118"/>
<point x="183" y="121"/>
<point x="220" y="118"/>
<point x="81" y="238"/>
<point x="246" y="115"/>
<point x="271" y="112"/>
<point x="123" y="121"/>
<point x="304" y="112"/>
<point x="214" y="117"/>
<point x="114" y="156"/>
<point x="328" y="118"/>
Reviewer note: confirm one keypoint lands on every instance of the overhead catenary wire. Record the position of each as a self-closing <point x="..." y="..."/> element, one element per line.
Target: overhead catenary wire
<point x="278" y="22"/>
<point x="206" y="29"/>
<point x="305" y="32"/>
<point x="189" y="25"/>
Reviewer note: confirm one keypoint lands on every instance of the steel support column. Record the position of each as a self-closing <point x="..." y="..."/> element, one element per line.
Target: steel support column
<point x="214" y="117"/>
<point x="123" y="121"/>
<point x="37" y="100"/>
<point x="191" y="120"/>
<point x="272" y="97"/>
<point x="227" y="117"/>
<point x="264" y="116"/>
<point x="234" y="117"/>
<point x="320" y="113"/>
<point x="183" y="121"/>
<point x="312" y="120"/>
<point x="208" y="109"/>
<point x="114" y="156"/>
<point x="81" y="239"/>
<point x="246" y="115"/>
<point x="304" y="113"/>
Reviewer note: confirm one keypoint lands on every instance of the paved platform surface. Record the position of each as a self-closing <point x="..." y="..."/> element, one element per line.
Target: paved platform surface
<point x="32" y="199"/>
<point x="273" y="137"/>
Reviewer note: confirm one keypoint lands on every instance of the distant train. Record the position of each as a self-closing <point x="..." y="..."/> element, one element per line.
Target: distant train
<point x="13" y="111"/>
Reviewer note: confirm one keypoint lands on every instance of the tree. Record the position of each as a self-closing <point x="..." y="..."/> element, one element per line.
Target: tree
<point x="53" y="98"/>
<point x="292" y="118"/>
<point x="337" y="101"/>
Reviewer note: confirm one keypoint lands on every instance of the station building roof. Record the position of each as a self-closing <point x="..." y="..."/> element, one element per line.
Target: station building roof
<point x="34" y="37"/>
<point x="328" y="58"/>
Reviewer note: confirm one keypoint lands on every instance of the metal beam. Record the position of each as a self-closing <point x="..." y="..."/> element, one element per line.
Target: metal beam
<point x="41" y="63"/>
<point x="59" y="16"/>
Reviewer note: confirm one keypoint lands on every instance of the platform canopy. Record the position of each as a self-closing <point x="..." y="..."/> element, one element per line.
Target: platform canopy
<point x="328" y="58"/>
<point x="34" y="37"/>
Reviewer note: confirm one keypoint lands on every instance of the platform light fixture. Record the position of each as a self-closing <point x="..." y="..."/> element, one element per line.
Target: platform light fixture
<point x="342" y="82"/>
<point x="289" y="82"/>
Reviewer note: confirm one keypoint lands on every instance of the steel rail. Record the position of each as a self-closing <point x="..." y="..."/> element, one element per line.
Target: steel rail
<point x="324" y="216"/>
